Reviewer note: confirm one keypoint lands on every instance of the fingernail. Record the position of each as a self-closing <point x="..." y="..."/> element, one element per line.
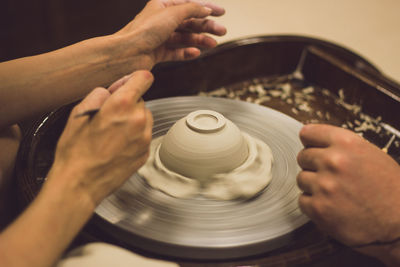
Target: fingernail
<point x="143" y="73"/>
<point x="220" y="29"/>
<point x="148" y="74"/>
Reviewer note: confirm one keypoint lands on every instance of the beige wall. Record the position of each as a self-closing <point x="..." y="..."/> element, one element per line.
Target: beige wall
<point x="369" y="27"/>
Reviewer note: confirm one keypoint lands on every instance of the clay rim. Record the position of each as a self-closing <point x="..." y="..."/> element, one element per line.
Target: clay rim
<point x="205" y="121"/>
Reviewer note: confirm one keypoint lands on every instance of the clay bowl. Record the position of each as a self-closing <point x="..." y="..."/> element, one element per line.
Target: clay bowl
<point x="202" y="144"/>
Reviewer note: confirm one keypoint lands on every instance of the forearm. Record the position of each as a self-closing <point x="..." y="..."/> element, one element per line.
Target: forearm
<point x="44" y="230"/>
<point x="33" y="85"/>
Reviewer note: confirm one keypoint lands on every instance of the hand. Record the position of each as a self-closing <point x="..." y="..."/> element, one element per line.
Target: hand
<point x="351" y="188"/>
<point x="168" y="30"/>
<point x="98" y="155"/>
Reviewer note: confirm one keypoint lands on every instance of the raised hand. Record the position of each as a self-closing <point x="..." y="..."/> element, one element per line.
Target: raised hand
<point x="168" y="30"/>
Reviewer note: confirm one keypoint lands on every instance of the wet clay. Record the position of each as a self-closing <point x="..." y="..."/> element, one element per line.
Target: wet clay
<point x="245" y="181"/>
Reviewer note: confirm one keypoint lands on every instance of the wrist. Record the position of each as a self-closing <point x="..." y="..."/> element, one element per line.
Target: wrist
<point x="43" y="231"/>
<point x="125" y="53"/>
<point x="63" y="189"/>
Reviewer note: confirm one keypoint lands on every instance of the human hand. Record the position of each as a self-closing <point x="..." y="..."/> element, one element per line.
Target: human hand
<point x="97" y="155"/>
<point x="351" y="188"/>
<point x="169" y="30"/>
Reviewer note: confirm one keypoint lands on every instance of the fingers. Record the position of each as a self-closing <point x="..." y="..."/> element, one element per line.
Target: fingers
<point x="323" y="136"/>
<point x="190" y="15"/>
<point x="202" y="25"/>
<point x="136" y="86"/>
<point x="130" y="92"/>
<point x="306" y="206"/>
<point x="316" y="135"/>
<point x="94" y="100"/>
<point x="307" y="181"/>
<point x="183" y="54"/>
<point x="191" y="40"/>
<point x="215" y="9"/>
<point x="188" y="53"/>
<point x="189" y="10"/>
<point x="311" y="159"/>
<point x="116" y="85"/>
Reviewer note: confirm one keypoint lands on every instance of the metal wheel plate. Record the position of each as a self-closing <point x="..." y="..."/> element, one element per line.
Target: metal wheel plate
<point x="201" y="228"/>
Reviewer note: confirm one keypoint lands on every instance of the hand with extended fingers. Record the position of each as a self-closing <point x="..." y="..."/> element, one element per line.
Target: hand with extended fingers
<point x="168" y="30"/>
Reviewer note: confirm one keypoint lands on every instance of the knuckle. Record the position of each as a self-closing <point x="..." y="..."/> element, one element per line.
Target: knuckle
<point x="139" y="119"/>
<point x="124" y="102"/>
<point x="335" y="161"/>
<point x="328" y="186"/>
<point x="349" y="139"/>
<point x="346" y="140"/>
<point x="146" y="138"/>
<point x="121" y="102"/>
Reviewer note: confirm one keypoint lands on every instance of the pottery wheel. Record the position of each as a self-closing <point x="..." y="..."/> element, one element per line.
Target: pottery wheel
<point x="201" y="228"/>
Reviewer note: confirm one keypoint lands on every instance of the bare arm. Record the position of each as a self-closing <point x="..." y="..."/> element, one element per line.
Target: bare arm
<point x="46" y="228"/>
<point x="163" y="31"/>
<point x="33" y="85"/>
<point x="118" y="136"/>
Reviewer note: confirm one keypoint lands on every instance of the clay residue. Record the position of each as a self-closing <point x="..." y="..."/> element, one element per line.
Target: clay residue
<point x="243" y="182"/>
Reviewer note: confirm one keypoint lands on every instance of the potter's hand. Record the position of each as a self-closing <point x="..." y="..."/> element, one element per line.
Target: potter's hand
<point x="168" y="30"/>
<point x="165" y="30"/>
<point x="99" y="154"/>
<point x="351" y="188"/>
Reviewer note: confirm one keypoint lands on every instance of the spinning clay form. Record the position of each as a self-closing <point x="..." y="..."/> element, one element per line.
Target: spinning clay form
<point x="205" y="153"/>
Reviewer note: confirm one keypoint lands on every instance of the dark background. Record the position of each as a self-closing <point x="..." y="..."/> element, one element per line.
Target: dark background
<point x="30" y="27"/>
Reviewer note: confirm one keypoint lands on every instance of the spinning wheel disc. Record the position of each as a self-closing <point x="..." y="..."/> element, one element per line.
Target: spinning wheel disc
<point x="201" y="228"/>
